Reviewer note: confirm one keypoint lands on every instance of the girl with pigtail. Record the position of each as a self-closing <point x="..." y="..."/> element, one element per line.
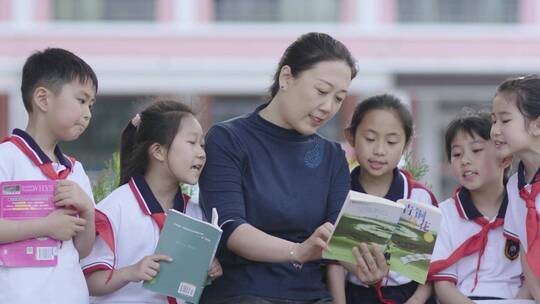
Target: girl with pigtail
<point x="161" y="147"/>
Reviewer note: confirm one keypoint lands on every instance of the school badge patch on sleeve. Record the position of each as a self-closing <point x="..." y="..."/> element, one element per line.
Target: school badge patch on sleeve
<point x="511" y="249"/>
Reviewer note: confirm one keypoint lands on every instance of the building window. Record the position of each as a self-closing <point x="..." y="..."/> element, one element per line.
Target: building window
<point x="458" y="11"/>
<point x="227" y="107"/>
<point x="111" y="10"/>
<point x="277" y="10"/>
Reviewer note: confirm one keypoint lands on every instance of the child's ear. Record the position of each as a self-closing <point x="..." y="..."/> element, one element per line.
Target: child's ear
<point x="534" y="126"/>
<point x="40" y="98"/>
<point x="157" y="151"/>
<point x="349" y="137"/>
<point x="285" y="76"/>
<point x="506" y="162"/>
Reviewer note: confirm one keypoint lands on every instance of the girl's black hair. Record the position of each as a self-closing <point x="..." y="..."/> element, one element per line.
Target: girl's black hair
<point x="383" y="102"/>
<point x="470" y="121"/>
<point x="159" y="123"/>
<point x="525" y="91"/>
<point x="308" y="50"/>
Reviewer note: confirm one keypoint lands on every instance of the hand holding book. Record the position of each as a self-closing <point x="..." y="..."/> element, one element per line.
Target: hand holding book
<point x="63" y="224"/>
<point x="406" y="230"/>
<point x="215" y="270"/>
<point x="312" y="248"/>
<point x="192" y="244"/>
<point x="69" y="194"/>
<point x="371" y="264"/>
<point x="146" y="269"/>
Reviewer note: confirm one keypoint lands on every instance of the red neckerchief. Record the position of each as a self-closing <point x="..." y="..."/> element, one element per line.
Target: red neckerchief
<point x="475" y="243"/>
<point x="529" y="194"/>
<point x="29" y="147"/>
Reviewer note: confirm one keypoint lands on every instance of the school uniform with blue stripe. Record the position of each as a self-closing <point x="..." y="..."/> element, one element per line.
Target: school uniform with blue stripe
<point x="22" y="159"/>
<point x="128" y="223"/>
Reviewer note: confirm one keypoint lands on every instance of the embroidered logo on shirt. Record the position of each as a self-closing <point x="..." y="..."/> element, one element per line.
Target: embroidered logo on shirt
<point x="313" y="157"/>
<point x="511" y="249"/>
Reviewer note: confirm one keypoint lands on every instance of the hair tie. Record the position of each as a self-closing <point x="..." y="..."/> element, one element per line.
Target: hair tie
<point x="136" y="120"/>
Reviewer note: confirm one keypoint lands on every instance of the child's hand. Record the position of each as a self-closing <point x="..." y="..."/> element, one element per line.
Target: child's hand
<point x="371" y="265"/>
<point x="215" y="270"/>
<point x="63" y="224"/>
<point x="69" y="194"/>
<point x="147" y="268"/>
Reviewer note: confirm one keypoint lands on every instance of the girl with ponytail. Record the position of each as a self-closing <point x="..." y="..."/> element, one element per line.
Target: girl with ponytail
<point x="160" y="148"/>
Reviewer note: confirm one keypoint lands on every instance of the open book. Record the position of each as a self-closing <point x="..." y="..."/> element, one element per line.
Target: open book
<point x="405" y="230"/>
<point x="192" y="245"/>
<point x="24" y="200"/>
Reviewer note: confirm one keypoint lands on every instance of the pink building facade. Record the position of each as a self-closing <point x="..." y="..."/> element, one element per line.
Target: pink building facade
<point x="220" y="55"/>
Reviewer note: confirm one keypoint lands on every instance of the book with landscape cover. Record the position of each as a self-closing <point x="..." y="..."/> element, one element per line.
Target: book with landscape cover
<point x="363" y="218"/>
<point x="23" y="200"/>
<point x="412" y="243"/>
<point x="192" y="244"/>
<point x="405" y="230"/>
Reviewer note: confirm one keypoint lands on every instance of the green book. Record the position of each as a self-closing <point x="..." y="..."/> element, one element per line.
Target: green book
<point x="192" y="244"/>
<point x="412" y="243"/>
<point x="363" y="218"/>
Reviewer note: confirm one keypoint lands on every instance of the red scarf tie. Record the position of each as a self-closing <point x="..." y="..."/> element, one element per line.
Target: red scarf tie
<point x="46" y="168"/>
<point x="532" y="223"/>
<point x="476" y="243"/>
<point x="380" y="296"/>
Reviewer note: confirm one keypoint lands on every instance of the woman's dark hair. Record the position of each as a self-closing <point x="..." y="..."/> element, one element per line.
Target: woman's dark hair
<point x="471" y="122"/>
<point x="159" y="123"/>
<point x="525" y="91"/>
<point x="308" y="50"/>
<point x="383" y="102"/>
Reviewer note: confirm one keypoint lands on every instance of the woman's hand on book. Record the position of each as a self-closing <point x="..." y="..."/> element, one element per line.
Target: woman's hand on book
<point x="371" y="264"/>
<point x="147" y="268"/>
<point x="215" y="270"/>
<point x="312" y="248"/>
<point x="69" y="194"/>
<point x="63" y="224"/>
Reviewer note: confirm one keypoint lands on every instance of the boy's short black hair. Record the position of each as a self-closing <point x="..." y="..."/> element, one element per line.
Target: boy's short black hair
<point x="53" y="68"/>
<point x="471" y="122"/>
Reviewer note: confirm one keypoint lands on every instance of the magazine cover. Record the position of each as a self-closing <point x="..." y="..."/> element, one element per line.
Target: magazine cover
<point x="363" y="218"/>
<point x="23" y="200"/>
<point x="413" y="240"/>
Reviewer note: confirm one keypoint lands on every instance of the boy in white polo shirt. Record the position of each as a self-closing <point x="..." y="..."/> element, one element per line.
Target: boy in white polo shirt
<point x="58" y="90"/>
<point x="472" y="259"/>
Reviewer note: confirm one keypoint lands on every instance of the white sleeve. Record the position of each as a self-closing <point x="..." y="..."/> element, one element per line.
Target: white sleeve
<point x="101" y="257"/>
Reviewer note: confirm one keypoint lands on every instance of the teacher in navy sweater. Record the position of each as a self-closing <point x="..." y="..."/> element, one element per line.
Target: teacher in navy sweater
<point x="278" y="186"/>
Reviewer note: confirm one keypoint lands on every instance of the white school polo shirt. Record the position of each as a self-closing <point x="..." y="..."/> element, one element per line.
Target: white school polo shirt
<point x="516" y="216"/>
<point x="65" y="282"/>
<point x="500" y="269"/>
<point x="135" y="234"/>
<point x="402" y="187"/>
